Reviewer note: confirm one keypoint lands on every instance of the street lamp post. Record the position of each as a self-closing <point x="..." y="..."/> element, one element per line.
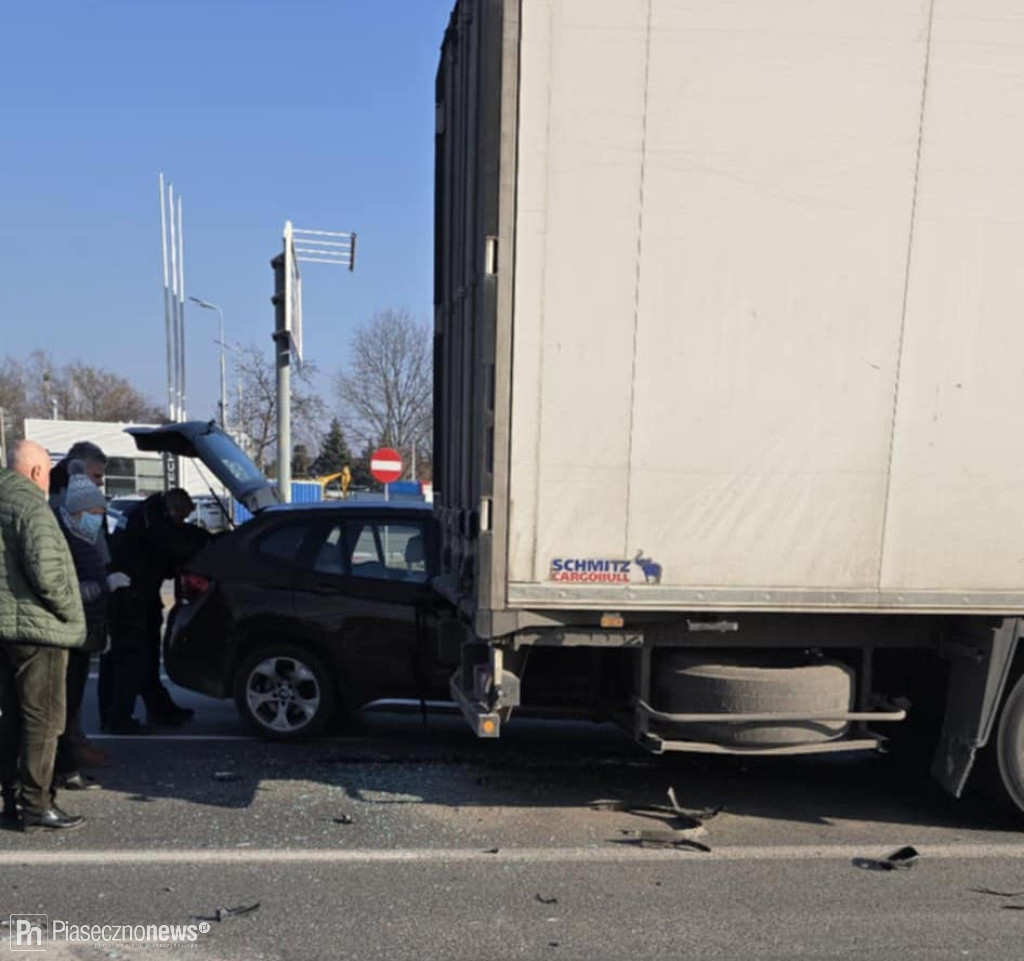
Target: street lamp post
<point x="206" y="305"/>
<point x="238" y="371"/>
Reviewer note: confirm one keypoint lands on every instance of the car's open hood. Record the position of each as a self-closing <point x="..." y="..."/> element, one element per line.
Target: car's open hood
<point x="227" y="461"/>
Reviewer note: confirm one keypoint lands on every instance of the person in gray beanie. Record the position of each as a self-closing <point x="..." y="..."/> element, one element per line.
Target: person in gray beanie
<point x="81" y="520"/>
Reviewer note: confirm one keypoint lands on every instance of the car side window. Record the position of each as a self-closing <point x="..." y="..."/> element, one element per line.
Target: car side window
<point x="388" y="551"/>
<point x="283" y="543"/>
<point x="328" y="557"/>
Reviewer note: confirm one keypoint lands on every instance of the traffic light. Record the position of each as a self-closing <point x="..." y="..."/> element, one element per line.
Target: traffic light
<point x="278" y="299"/>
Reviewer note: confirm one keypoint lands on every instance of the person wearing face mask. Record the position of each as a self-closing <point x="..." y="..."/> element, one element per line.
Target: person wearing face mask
<point x="81" y="517"/>
<point x="95" y="462"/>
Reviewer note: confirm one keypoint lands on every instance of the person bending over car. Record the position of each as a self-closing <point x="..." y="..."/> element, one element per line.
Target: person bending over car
<point x="155" y="543"/>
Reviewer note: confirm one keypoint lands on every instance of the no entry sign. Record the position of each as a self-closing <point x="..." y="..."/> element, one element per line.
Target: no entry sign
<point x="386" y="465"/>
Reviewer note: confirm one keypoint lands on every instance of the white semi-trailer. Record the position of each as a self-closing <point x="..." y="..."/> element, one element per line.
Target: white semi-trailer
<point x="729" y="349"/>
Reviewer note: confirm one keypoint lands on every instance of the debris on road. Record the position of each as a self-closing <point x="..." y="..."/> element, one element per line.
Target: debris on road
<point x="226" y="776"/>
<point x="679" y="840"/>
<point x="492" y="851"/>
<point x="682" y="818"/>
<point x="905" y="857"/>
<point x="342" y="819"/>
<point x="1002" y="894"/>
<point x="543" y="900"/>
<point x="222" y="914"/>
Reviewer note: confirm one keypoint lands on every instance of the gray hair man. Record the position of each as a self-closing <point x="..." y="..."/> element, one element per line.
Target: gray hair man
<point x="41" y="618"/>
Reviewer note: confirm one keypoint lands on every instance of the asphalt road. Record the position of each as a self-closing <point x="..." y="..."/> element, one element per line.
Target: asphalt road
<point x="408" y="842"/>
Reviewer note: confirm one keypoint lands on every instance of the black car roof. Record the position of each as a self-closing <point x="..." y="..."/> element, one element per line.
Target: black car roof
<point x="354" y="507"/>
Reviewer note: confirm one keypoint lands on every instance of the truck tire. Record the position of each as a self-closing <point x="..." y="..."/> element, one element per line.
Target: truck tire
<point x="703" y="684"/>
<point x="1009" y="746"/>
<point x="284" y="693"/>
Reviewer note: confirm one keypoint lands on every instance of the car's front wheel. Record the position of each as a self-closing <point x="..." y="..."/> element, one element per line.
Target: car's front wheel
<point x="284" y="692"/>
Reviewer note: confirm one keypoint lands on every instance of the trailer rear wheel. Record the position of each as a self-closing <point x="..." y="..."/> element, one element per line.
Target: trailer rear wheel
<point x="691" y="683"/>
<point x="1010" y="745"/>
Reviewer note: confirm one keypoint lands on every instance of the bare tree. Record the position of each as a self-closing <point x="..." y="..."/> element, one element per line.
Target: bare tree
<point x="255" y="411"/>
<point x="89" y="393"/>
<point x="386" y="394"/>
<point x="37" y="387"/>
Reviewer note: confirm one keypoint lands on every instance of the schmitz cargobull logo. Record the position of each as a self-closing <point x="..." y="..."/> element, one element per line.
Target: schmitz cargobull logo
<point x="605" y="570"/>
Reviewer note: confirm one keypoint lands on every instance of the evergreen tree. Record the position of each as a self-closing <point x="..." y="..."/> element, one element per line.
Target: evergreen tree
<point x="334" y="453"/>
<point x="361" y="476"/>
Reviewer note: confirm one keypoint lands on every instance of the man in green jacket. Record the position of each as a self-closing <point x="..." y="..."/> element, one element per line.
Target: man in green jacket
<point x="41" y="617"/>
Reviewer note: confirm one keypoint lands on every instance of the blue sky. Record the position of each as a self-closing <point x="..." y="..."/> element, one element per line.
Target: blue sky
<point x="259" y="111"/>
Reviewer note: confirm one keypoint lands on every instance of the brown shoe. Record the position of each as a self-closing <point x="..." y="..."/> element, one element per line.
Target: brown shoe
<point x="91" y="757"/>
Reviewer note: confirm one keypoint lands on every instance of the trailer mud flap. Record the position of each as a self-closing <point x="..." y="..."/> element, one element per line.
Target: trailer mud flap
<point x="982" y="654"/>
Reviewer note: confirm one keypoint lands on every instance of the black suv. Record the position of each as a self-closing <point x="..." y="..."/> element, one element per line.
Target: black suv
<point x="308" y="611"/>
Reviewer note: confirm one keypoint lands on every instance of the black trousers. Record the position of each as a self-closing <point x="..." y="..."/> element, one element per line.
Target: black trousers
<point x="32" y="697"/>
<point x="77" y="675"/>
<point x="131" y="668"/>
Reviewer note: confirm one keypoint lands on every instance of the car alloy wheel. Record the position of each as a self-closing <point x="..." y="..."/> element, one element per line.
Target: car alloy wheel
<point x="284" y="692"/>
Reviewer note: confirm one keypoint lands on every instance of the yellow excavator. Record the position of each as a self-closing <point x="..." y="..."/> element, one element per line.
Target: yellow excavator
<point x="344" y="479"/>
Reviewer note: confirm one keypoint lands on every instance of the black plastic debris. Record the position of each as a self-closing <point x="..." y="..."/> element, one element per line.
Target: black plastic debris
<point x="492" y="851"/>
<point x="222" y="914"/>
<point x="226" y="776"/>
<point x="342" y="819"/>
<point x="544" y="900"/>
<point x="905" y="857"/>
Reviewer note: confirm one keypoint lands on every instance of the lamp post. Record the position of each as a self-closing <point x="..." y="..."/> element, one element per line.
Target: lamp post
<point x="238" y="371"/>
<point x="206" y="305"/>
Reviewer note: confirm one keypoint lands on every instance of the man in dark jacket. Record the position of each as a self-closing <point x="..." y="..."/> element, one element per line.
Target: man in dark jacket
<point x="155" y="543"/>
<point x="41" y="618"/>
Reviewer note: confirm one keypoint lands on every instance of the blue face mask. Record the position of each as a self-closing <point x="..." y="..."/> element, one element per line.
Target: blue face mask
<point x="89" y="526"/>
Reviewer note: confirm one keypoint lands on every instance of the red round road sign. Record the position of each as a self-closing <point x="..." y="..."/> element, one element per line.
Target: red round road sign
<point x="386" y="465"/>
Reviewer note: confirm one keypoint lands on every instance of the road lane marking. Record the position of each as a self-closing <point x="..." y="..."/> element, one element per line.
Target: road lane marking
<point x="146" y="738"/>
<point x="612" y="854"/>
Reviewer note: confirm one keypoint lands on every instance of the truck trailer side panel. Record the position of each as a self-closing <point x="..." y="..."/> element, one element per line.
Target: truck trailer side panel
<point x="955" y="510"/>
<point x="757" y="344"/>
